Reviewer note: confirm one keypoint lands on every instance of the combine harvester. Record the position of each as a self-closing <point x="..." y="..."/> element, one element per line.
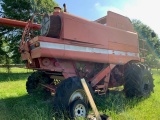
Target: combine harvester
<point x="104" y="52"/>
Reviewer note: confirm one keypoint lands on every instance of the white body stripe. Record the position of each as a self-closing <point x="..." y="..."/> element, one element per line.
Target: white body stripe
<point x="85" y="49"/>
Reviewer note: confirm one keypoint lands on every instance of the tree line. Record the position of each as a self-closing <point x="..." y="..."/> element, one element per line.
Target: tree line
<point x="148" y="40"/>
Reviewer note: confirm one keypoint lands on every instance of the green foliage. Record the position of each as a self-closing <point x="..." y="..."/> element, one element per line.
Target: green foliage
<point x="151" y="44"/>
<point x="19" y="10"/>
<point x="43" y="6"/>
<point x="2" y="52"/>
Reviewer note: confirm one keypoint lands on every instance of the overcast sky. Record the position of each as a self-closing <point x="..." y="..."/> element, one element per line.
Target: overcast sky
<point x="148" y="11"/>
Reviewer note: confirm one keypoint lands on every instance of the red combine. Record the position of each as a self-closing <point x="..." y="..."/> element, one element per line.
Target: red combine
<point x="105" y="52"/>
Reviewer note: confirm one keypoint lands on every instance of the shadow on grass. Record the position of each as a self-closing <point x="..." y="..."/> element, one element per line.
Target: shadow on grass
<point x="13" y="76"/>
<point x="26" y="108"/>
<point x="30" y="107"/>
<point x="115" y="102"/>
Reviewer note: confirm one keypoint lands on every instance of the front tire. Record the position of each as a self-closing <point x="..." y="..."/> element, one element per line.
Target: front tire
<point x="138" y="81"/>
<point x="69" y="91"/>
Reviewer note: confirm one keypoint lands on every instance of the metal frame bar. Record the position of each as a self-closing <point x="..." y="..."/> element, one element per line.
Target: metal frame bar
<point x="103" y="73"/>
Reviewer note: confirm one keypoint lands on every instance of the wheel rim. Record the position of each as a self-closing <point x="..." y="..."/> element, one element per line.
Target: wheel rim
<point x="78" y="94"/>
<point x="80" y="111"/>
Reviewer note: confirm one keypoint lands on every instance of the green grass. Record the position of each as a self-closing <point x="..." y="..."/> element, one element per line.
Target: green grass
<point x="16" y="104"/>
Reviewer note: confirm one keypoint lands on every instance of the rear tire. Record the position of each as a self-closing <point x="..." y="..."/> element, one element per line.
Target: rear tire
<point x="33" y="86"/>
<point x="138" y="81"/>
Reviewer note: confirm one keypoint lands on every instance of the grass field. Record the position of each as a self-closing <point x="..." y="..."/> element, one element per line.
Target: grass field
<point x="16" y="104"/>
